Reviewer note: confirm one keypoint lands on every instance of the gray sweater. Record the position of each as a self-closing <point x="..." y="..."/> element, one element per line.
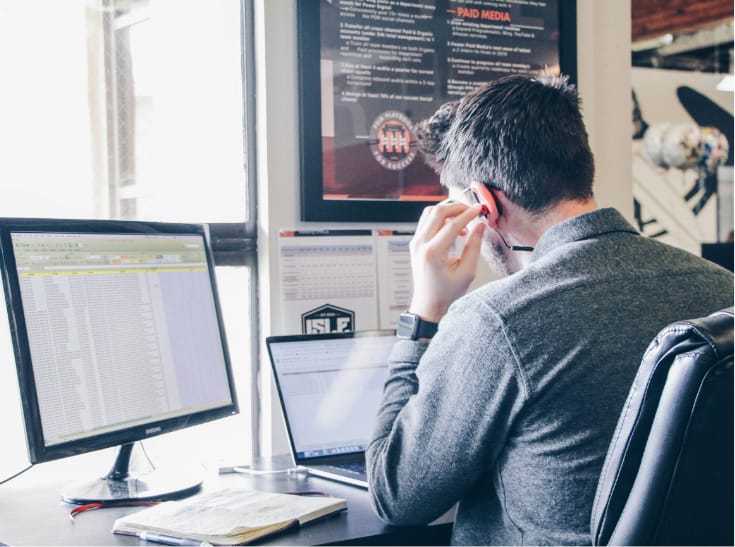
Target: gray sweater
<point x="510" y="409"/>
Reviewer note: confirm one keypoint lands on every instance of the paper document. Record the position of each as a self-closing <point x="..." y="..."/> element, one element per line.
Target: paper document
<point x="227" y="517"/>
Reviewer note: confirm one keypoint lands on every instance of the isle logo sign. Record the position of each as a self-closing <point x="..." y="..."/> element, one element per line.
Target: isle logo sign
<point x="326" y="319"/>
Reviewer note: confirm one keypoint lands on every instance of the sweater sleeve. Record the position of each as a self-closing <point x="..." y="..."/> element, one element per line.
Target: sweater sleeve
<point x="446" y="411"/>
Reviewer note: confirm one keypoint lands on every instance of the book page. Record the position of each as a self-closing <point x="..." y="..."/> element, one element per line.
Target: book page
<point x="227" y="512"/>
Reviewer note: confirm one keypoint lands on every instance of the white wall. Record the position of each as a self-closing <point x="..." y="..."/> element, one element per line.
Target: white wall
<point x="603" y="53"/>
<point x="604" y="83"/>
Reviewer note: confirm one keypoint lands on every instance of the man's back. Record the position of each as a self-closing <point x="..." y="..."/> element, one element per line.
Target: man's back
<point x="542" y="362"/>
<point x="598" y="302"/>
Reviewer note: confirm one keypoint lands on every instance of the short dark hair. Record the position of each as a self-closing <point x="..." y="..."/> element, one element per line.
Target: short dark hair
<point x="524" y="136"/>
<point x="430" y="135"/>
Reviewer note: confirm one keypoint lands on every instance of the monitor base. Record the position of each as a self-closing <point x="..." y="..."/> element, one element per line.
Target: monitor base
<point x="158" y="485"/>
<point x="121" y="485"/>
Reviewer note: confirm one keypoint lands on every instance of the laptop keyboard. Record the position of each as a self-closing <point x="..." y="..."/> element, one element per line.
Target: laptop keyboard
<point x="353" y="468"/>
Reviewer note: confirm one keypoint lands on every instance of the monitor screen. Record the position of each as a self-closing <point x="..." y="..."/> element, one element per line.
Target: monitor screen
<point x="116" y="331"/>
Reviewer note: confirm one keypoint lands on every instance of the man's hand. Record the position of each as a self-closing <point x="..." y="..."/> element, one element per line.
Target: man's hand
<point x="438" y="279"/>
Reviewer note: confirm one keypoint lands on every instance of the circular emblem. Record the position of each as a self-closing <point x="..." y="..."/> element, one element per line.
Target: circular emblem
<point x="390" y="140"/>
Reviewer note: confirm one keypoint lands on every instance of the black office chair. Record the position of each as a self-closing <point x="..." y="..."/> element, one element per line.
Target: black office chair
<point x="668" y="475"/>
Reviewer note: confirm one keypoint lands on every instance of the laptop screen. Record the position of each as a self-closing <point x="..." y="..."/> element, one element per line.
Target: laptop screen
<point x="330" y="387"/>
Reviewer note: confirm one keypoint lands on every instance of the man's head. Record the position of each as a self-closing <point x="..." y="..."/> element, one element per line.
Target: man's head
<point x="521" y="144"/>
<point x="523" y="136"/>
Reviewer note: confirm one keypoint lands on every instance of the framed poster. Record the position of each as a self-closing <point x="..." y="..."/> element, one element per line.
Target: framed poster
<point x="370" y="69"/>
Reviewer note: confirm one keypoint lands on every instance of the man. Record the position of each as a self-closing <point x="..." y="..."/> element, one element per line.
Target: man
<point x="510" y="407"/>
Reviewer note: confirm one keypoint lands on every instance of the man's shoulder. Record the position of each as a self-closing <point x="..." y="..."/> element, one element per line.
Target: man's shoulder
<point x="500" y="298"/>
<point x="640" y="261"/>
<point x="658" y="256"/>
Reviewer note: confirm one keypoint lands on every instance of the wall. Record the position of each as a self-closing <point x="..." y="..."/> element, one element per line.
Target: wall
<point x="604" y="83"/>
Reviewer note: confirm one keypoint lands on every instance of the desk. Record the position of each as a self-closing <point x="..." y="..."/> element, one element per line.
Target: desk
<point x="32" y="514"/>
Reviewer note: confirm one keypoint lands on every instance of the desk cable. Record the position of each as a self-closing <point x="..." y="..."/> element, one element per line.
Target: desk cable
<point x="104" y="505"/>
<point x="11" y="477"/>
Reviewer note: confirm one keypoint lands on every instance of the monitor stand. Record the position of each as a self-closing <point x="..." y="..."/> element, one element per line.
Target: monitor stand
<point x="121" y="485"/>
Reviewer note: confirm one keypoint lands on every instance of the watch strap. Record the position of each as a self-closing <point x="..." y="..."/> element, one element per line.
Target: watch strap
<point x="425" y="329"/>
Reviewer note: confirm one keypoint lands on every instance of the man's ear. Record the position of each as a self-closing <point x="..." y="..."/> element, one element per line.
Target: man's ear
<point x="491" y="211"/>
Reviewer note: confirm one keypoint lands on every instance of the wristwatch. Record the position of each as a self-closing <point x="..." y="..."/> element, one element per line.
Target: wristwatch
<point x="412" y="327"/>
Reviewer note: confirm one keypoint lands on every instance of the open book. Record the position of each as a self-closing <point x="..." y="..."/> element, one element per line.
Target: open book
<point x="230" y="516"/>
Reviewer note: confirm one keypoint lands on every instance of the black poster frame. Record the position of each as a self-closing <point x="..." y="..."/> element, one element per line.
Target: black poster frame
<point x="314" y="207"/>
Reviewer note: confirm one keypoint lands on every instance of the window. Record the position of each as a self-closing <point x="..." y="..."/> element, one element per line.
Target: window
<point x="140" y="109"/>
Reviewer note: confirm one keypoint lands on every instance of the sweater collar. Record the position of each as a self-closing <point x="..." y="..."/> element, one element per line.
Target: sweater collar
<point x="584" y="226"/>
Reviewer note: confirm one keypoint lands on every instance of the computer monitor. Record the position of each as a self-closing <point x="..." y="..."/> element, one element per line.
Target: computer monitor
<point x="117" y="336"/>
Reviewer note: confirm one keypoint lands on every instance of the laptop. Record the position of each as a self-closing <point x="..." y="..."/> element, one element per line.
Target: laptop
<point x="330" y="387"/>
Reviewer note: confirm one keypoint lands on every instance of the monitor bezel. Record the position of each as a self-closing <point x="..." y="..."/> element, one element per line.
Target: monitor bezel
<point x="38" y="451"/>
